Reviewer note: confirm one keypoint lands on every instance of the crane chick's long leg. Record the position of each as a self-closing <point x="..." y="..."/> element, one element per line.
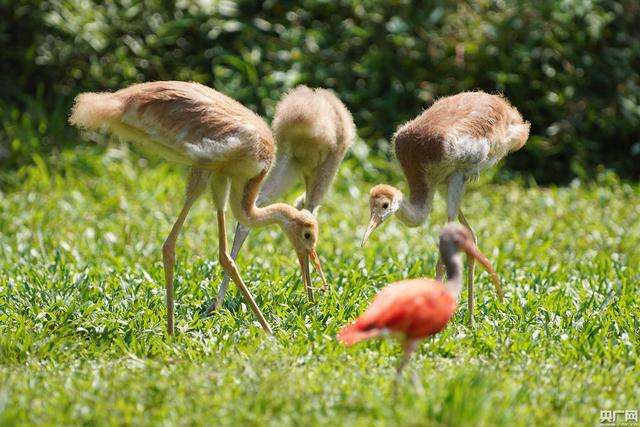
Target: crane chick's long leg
<point x="463" y="221"/>
<point x="239" y="237"/>
<point x="470" y="268"/>
<point x="230" y="267"/>
<point x="195" y="187"/>
<point x="279" y="180"/>
<point x="454" y="198"/>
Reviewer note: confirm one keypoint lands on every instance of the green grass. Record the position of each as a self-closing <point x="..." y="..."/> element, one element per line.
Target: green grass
<point x="82" y="311"/>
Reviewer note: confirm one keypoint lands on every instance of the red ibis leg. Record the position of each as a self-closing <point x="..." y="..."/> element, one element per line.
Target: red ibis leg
<point x="409" y="346"/>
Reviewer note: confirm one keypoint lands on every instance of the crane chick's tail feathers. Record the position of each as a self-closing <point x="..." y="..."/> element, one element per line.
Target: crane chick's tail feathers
<point x="93" y="110"/>
<point x="356" y="332"/>
<point x="519" y="135"/>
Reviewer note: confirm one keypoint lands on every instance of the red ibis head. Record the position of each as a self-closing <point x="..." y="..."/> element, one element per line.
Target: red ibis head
<point x="456" y="237"/>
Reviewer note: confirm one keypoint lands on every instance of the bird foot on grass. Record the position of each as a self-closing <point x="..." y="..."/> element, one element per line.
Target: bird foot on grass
<point x="417" y="384"/>
<point x="413" y="379"/>
<point x="211" y="308"/>
<point x="471" y="322"/>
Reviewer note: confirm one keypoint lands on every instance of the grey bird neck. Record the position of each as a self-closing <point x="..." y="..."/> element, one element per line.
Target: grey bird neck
<point x="415" y="211"/>
<point x="453" y="263"/>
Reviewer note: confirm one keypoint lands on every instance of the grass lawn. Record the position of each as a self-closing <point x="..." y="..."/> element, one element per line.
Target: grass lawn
<point x="82" y="315"/>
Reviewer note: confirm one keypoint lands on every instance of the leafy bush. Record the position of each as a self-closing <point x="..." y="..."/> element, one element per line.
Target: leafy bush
<point x="570" y="66"/>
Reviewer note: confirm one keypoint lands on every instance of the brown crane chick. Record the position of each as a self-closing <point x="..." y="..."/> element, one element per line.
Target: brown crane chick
<point x="313" y="131"/>
<point x="452" y="141"/>
<point x="229" y="148"/>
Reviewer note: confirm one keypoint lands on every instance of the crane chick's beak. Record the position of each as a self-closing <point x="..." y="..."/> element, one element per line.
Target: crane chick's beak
<point x="303" y="258"/>
<point x="316" y="262"/>
<point x="306" y="277"/>
<point x="374" y="222"/>
<point x="472" y="250"/>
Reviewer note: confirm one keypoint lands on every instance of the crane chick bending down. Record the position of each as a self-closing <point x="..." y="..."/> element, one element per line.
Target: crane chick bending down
<point x="453" y="140"/>
<point x="228" y="147"/>
<point x="313" y="131"/>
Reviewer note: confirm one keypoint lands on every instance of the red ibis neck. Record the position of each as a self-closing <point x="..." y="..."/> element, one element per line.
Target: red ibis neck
<point x="453" y="264"/>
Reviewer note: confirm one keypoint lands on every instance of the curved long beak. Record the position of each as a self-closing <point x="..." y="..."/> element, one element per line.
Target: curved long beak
<point x="316" y="262"/>
<point x="472" y="250"/>
<point x="303" y="258"/>
<point x="306" y="277"/>
<point x="374" y="222"/>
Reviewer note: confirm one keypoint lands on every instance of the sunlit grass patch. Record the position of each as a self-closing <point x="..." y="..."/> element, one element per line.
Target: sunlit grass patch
<point x="82" y="312"/>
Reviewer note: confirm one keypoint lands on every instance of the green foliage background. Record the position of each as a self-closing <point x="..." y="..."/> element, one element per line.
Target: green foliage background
<point x="570" y="66"/>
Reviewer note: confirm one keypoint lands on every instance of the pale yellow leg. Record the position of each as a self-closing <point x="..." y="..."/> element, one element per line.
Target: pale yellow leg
<point x="470" y="271"/>
<point x="230" y="268"/>
<point x="195" y="187"/>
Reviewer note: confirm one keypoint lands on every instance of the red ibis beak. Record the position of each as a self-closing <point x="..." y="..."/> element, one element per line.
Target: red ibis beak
<point x="374" y="222"/>
<point x="472" y="250"/>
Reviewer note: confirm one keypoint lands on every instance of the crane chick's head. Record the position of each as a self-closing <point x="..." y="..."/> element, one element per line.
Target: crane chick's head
<point x="302" y="231"/>
<point x="456" y="237"/>
<point x="384" y="201"/>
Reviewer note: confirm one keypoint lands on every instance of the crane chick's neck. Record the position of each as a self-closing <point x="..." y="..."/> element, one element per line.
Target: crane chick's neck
<point x="414" y="212"/>
<point x="243" y="204"/>
<point x="254" y="216"/>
